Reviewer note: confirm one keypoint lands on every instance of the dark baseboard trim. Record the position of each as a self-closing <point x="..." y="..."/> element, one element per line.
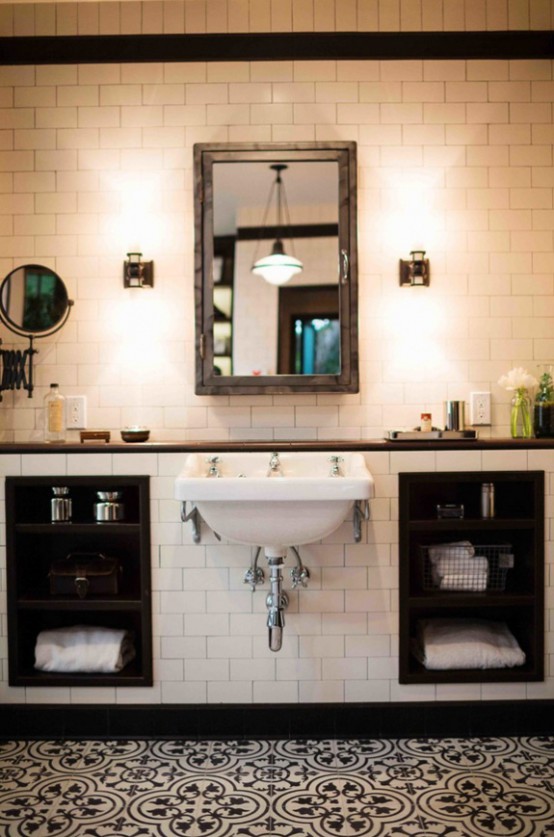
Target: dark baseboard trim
<point x="279" y="46"/>
<point x="318" y="721"/>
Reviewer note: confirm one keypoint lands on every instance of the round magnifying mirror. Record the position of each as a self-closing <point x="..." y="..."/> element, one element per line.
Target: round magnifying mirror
<point x="33" y="300"/>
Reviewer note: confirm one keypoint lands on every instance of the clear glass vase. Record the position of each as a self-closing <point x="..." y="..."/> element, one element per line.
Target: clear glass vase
<point x="521" y="423"/>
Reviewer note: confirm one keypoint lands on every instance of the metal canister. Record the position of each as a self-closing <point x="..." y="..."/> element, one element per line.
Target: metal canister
<point x="108" y="509"/>
<point x="454" y="415"/>
<point x="487" y="499"/>
<point x="60" y="504"/>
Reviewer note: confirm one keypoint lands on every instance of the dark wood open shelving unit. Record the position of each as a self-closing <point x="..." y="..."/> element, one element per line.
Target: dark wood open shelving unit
<point x="519" y="521"/>
<point x="33" y="543"/>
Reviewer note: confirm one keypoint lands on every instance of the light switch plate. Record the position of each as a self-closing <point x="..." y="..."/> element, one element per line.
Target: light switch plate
<point x="76" y="412"/>
<point x="480" y="408"/>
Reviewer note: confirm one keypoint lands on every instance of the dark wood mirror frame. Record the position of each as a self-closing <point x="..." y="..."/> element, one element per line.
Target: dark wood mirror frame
<point x="205" y="156"/>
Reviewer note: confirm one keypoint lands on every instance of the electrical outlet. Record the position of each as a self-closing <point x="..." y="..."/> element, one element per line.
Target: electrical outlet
<point x="76" y="412"/>
<point x="480" y="407"/>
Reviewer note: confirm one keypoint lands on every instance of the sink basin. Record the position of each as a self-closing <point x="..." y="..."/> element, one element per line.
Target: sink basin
<point x="274" y="501"/>
<point x="297" y="504"/>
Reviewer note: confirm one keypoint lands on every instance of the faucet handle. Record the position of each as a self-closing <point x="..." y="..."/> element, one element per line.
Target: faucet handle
<point x="335" y="465"/>
<point x="213" y="470"/>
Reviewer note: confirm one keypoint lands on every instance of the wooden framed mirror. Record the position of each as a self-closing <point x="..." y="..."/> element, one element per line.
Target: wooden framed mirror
<point x="261" y="204"/>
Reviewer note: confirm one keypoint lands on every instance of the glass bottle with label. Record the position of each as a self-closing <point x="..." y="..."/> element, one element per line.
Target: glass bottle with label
<point x="54" y="415"/>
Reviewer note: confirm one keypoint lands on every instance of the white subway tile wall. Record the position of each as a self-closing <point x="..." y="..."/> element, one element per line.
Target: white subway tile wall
<point x="341" y="635"/>
<point x="202" y="16"/>
<point x="454" y="156"/>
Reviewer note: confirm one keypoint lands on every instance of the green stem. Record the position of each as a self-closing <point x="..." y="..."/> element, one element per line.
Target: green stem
<point x="513" y="422"/>
<point x="521" y="413"/>
<point x="526" y="419"/>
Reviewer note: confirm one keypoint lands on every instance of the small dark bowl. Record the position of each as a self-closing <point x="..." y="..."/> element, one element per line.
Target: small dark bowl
<point x="135" y="434"/>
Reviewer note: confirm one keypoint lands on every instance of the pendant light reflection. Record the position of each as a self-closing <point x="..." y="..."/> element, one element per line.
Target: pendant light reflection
<point x="278" y="267"/>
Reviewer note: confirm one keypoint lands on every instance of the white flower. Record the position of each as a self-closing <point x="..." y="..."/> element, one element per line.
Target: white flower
<point x="517" y="378"/>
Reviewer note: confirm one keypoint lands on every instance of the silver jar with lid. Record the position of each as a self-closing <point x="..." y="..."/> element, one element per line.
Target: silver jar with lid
<point x="60" y="504"/>
<point x="108" y="509"/>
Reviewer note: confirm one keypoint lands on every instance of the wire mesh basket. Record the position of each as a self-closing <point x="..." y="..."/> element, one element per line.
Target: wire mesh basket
<point x="466" y="567"/>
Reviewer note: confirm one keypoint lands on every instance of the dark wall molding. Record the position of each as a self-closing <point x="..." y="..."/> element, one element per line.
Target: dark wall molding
<point x="462" y="719"/>
<point x="364" y="445"/>
<point x="288" y="231"/>
<point x="281" y="46"/>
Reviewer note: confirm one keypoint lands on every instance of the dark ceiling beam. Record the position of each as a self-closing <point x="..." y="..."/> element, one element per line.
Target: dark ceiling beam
<point x="281" y="46"/>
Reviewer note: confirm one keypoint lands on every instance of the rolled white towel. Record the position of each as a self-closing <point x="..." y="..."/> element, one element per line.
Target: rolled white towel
<point x="471" y="581"/>
<point x="83" y="648"/>
<point x="467" y="643"/>
<point x="461" y="564"/>
<point x="455" y="573"/>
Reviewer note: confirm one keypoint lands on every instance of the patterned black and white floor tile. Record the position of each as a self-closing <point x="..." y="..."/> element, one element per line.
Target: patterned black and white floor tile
<point x="486" y="787"/>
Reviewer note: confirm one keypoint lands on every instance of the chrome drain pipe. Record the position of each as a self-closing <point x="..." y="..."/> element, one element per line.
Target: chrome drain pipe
<point x="276" y="601"/>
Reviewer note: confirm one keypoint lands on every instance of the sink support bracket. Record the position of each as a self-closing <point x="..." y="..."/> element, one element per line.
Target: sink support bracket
<point x="361" y="513"/>
<point x="194" y="518"/>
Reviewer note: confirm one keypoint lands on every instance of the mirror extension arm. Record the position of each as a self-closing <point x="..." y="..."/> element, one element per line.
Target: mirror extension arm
<point x="17" y="369"/>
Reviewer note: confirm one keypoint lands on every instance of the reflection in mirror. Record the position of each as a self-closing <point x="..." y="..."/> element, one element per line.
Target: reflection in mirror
<point x="297" y="332"/>
<point x="33" y="300"/>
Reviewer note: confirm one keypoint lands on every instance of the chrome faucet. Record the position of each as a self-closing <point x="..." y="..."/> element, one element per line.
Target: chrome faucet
<point x="335" y="466"/>
<point x="274" y="469"/>
<point x="213" y="470"/>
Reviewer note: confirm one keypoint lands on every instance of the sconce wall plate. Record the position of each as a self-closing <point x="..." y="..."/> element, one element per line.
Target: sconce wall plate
<point x="416" y="272"/>
<point x="136" y="273"/>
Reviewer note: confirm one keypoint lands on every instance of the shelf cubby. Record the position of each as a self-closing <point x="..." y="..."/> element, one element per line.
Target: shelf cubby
<point x="518" y="522"/>
<point x="34" y="543"/>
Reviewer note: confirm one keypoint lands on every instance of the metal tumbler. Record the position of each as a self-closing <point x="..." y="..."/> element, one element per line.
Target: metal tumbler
<point x="454" y="415"/>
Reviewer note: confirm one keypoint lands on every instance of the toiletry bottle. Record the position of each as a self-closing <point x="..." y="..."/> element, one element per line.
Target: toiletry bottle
<point x="487" y="499"/>
<point x="426" y="422"/>
<point x="54" y="415"/>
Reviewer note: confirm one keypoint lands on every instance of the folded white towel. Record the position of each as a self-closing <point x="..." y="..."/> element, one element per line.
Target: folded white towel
<point x="82" y="648"/>
<point x="467" y="643"/>
<point x="464" y="581"/>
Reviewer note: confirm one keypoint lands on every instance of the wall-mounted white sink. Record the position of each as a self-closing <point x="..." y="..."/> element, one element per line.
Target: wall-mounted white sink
<point x="274" y="500"/>
<point x="296" y="503"/>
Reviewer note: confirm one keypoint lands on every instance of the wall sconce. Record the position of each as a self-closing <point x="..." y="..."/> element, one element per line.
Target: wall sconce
<point x="416" y="271"/>
<point x="136" y="273"/>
